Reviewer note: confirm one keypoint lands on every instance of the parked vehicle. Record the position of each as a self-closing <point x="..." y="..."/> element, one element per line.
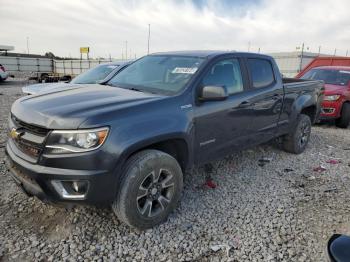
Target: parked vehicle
<point x="336" y="104"/>
<point x="325" y="61"/>
<point x="127" y="143"/>
<point x="98" y="74"/>
<point x="3" y="74"/>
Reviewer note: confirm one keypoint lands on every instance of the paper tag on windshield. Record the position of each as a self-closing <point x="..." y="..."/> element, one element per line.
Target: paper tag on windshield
<point x="184" y="70"/>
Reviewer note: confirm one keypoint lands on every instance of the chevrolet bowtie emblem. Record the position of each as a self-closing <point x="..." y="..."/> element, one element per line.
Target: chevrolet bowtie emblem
<point x="14" y="134"/>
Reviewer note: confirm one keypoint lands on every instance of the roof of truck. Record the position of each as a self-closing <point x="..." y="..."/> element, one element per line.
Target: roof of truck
<point x="205" y="53"/>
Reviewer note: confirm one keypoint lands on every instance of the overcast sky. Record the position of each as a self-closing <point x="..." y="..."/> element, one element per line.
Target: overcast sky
<point x="62" y="26"/>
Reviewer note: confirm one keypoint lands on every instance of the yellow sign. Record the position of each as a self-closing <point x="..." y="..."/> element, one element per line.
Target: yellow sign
<point x="84" y="50"/>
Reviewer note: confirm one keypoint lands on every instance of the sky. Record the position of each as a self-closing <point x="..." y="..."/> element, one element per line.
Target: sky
<point x="110" y="27"/>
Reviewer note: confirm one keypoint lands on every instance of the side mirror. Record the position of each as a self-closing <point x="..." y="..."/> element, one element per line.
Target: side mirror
<point x="213" y="93"/>
<point x="339" y="248"/>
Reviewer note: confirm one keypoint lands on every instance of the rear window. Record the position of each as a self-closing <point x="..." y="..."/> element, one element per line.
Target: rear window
<point x="329" y="76"/>
<point x="261" y="72"/>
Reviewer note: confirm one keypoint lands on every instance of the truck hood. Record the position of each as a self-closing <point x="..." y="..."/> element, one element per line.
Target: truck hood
<point x="36" y="88"/>
<point x="334" y="89"/>
<point x="69" y="108"/>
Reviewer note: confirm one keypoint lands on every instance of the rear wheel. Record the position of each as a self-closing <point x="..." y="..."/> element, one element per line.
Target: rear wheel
<point x="296" y="141"/>
<point x="344" y="119"/>
<point x="150" y="189"/>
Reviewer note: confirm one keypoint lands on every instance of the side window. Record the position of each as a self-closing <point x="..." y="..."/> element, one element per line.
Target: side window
<point x="225" y="73"/>
<point x="261" y="72"/>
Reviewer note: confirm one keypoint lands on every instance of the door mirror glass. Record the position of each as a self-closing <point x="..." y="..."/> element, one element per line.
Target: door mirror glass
<point x="213" y="93"/>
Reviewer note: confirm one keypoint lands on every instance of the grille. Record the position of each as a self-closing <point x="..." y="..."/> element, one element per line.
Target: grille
<point x="31" y="128"/>
<point x="28" y="141"/>
<point x="31" y="149"/>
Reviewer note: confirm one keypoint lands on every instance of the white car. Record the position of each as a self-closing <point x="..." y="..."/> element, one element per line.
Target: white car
<point x="98" y="74"/>
<point x="3" y="74"/>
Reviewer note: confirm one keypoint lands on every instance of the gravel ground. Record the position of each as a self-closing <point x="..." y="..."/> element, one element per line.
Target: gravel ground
<point x="282" y="211"/>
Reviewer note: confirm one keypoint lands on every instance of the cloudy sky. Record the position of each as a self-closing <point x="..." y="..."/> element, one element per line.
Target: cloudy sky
<point x="62" y="26"/>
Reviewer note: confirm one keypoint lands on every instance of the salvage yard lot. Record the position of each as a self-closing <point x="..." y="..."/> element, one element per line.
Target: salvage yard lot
<point x="282" y="210"/>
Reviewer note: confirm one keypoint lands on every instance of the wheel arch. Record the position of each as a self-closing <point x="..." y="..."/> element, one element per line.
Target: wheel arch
<point x="176" y="146"/>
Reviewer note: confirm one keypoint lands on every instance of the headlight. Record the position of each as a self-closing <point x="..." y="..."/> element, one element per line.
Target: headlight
<point x="331" y="98"/>
<point x="65" y="141"/>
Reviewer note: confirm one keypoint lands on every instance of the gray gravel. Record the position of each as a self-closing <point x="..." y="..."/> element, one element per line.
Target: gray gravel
<point x="281" y="211"/>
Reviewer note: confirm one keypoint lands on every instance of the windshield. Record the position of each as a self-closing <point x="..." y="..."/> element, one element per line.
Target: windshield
<point x="163" y="74"/>
<point x="329" y="76"/>
<point x="93" y="75"/>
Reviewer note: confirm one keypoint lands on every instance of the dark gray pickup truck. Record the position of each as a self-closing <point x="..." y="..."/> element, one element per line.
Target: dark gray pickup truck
<point x="127" y="143"/>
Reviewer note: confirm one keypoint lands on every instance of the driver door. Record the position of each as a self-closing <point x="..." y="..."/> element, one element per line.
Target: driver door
<point x="222" y="127"/>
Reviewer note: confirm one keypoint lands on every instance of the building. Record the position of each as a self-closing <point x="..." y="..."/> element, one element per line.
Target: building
<point x="291" y="63"/>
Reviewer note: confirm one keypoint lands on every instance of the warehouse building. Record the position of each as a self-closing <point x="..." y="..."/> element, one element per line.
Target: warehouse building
<point x="291" y="63"/>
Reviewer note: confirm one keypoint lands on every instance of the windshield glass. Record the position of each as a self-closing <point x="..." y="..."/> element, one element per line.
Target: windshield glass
<point x="329" y="76"/>
<point x="163" y="74"/>
<point x="93" y="75"/>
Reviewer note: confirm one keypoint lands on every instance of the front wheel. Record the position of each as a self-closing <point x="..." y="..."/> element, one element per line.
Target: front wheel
<point x="150" y="189"/>
<point x="296" y="141"/>
<point x="344" y="120"/>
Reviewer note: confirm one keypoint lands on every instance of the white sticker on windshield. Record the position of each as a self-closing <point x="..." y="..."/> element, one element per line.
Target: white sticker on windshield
<point x="184" y="70"/>
<point x="345" y="72"/>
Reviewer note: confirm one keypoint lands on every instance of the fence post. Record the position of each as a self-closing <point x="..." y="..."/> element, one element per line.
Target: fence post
<point x="64" y="67"/>
<point x="38" y="64"/>
<point x="18" y="64"/>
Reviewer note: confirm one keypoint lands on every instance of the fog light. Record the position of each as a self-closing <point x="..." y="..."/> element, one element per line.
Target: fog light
<point x="71" y="189"/>
<point x="79" y="186"/>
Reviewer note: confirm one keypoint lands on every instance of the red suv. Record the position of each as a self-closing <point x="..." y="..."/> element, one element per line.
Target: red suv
<point x="336" y="104"/>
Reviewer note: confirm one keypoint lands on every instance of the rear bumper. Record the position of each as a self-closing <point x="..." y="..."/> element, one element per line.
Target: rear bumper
<point x="37" y="180"/>
<point x="331" y="109"/>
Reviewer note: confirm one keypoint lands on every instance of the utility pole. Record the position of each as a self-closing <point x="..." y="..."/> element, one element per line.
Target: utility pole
<point x="319" y="50"/>
<point x="259" y="50"/>
<point x="126" y="50"/>
<point x="346" y="53"/>
<point x="335" y="52"/>
<point x="301" y="58"/>
<point x="28" y="45"/>
<point x="149" y="36"/>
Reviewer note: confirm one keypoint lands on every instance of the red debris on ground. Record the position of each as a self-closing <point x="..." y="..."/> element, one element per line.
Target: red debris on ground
<point x="210" y="183"/>
<point x="319" y="169"/>
<point x="333" y="161"/>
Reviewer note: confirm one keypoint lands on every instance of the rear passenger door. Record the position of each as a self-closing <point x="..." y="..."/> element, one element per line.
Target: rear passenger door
<point x="266" y="100"/>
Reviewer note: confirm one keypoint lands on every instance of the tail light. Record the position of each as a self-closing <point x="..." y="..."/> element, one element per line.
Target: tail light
<point x="2" y="68"/>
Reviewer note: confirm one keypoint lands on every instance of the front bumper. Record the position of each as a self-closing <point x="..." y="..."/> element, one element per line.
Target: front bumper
<point x="36" y="180"/>
<point x="330" y="110"/>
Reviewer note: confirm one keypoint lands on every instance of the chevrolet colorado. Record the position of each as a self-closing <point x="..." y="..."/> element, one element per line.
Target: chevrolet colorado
<point x="127" y="143"/>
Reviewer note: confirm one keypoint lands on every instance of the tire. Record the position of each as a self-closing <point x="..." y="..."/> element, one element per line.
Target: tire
<point x="296" y="141"/>
<point x="344" y="120"/>
<point x="144" y="201"/>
